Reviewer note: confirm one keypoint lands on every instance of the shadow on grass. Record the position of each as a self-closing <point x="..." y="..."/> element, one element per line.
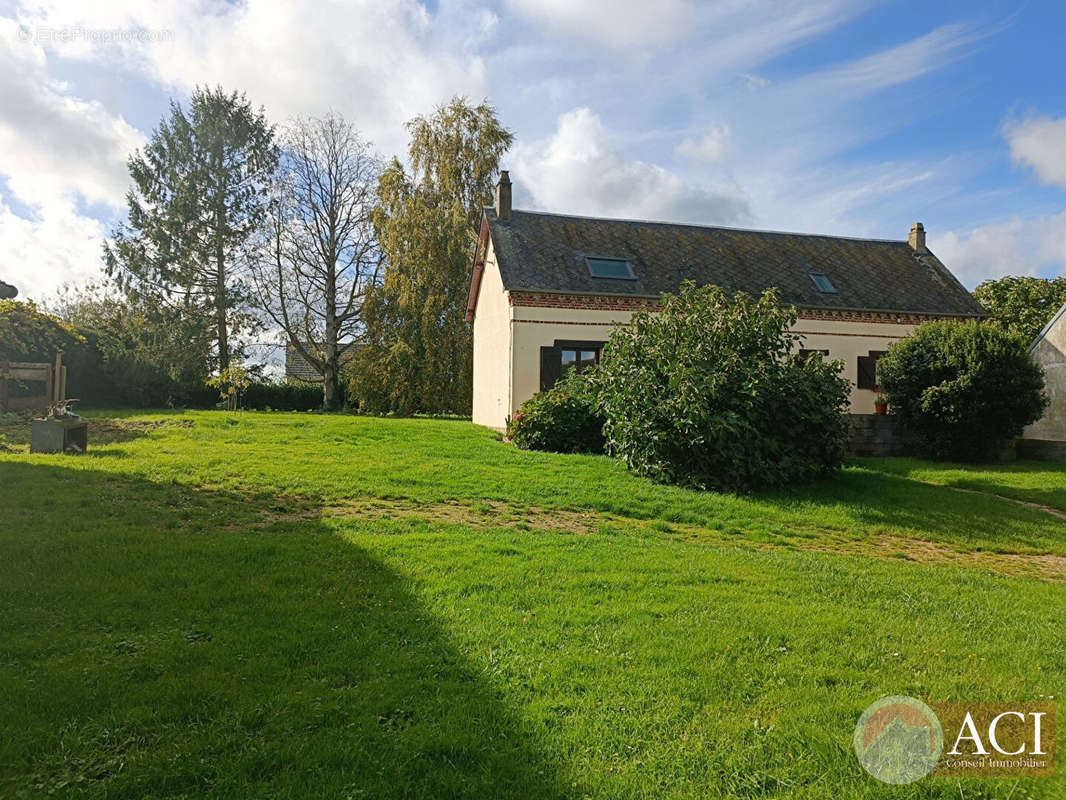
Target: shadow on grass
<point x="1022" y="480"/>
<point x="164" y="641"/>
<point x="882" y="501"/>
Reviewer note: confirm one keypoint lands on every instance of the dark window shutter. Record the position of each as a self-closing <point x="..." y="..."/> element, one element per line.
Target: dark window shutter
<point x="865" y="378"/>
<point x="868" y="369"/>
<point x="551" y="367"/>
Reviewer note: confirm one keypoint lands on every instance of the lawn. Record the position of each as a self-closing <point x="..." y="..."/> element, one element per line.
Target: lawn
<point x="292" y="605"/>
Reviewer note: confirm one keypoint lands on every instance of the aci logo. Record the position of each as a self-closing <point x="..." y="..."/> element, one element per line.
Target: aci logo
<point x="898" y="739"/>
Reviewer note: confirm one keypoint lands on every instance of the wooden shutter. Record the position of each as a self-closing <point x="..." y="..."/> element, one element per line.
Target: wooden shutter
<point x="551" y="367"/>
<point x="867" y="378"/>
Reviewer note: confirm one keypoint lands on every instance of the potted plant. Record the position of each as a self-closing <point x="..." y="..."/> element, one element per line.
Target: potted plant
<point x="881" y="403"/>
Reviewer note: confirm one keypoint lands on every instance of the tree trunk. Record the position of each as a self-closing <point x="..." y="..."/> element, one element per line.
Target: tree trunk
<point x="223" y="332"/>
<point x="330" y="388"/>
<point x="330" y="395"/>
<point x="220" y="277"/>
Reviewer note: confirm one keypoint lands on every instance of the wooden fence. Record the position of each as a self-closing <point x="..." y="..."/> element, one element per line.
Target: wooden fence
<point x="54" y="379"/>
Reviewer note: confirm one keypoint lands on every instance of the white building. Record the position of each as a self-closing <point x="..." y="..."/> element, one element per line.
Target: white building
<point x="547" y="288"/>
<point x="1047" y="436"/>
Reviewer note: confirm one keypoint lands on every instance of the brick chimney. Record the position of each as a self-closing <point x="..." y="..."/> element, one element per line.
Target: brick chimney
<point x="503" y="196"/>
<point x="917" y="238"/>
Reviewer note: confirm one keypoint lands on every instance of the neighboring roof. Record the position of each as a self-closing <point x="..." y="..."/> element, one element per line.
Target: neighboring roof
<point x="1060" y="314"/>
<point x="546" y="253"/>
<point x="296" y="366"/>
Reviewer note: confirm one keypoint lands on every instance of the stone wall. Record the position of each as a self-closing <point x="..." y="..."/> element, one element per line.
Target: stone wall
<point x="875" y="435"/>
<point x="1041" y="449"/>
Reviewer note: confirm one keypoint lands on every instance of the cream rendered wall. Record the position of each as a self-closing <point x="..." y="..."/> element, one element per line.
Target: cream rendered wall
<point x="847" y="341"/>
<point x="492" y="349"/>
<point x="533" y="328"/>
<point x="1050" y="353"/>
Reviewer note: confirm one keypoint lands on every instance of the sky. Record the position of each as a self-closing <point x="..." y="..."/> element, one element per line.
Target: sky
<point x="847" y="117"/>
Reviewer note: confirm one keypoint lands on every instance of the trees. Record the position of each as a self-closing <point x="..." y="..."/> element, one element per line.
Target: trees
<point x="320" y="254"/>
<point x="1022" y="305"/>
<point x="146" y="352"/>
<point x="198" y="196"/>
<point x="963" y="389"/>
<point x="29" y="334"/>
<point x="709" y="393"/>
<point x="418" y="346"/>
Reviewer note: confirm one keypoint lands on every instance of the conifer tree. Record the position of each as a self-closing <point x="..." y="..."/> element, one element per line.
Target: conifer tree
<point x="198" y="195"/>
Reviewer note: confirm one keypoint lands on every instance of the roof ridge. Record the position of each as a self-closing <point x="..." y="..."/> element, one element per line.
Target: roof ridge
<point x="706" y="227"/>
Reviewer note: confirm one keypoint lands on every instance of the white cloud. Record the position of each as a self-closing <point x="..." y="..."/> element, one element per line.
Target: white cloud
<point x="902" y="63"/>
<point x="58" y="153"/>
<point x="55" y="144"/>
<point x="710" y="148"/>
<point x="380" y="62"/>
<point x="57" y="246"/>
<point x="615" y="23"/>
<point x="581" y="170"/>
<point x="1034" y="246"/>
<point x="1040" y="143"/>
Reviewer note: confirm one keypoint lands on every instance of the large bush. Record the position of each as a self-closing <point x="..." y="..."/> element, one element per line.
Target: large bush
<point x="562" y="420"/>
<point x="962" y="389"/>
<point x="709" y="393"/>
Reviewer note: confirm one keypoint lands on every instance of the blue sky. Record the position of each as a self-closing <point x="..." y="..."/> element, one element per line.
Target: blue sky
<point x="849" y="117"/>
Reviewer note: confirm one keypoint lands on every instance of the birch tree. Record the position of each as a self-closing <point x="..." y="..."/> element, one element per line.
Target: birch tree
<point x="419" y="352"/>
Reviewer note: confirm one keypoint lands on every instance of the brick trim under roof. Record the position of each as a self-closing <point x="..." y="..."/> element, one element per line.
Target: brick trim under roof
<point x="544" y="254"/>
<point x="589" y="302"/>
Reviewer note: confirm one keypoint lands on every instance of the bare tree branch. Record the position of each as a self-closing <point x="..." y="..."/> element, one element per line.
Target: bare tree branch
<point x="321" y="254"/>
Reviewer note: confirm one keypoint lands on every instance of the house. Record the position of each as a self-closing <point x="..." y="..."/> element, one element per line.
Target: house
<point x="1046" y="438"/>
<point x="298" y="368"/>
<point x="546" y="290"/>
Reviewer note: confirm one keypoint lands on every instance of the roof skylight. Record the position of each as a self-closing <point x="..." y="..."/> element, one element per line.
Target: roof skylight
<point x="617" y="268"/>
<point x="821" y="280"/>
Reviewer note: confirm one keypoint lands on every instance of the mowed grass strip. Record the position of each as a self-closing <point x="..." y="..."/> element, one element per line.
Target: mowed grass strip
<point x="184" y="613"/>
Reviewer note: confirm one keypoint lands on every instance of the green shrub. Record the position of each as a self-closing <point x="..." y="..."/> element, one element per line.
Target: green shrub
<point x="284" y="396"/>
<point x="257" y="396"/>
<point x="708" y="393"/>
<point x="562" y="420"/>
<point x="962" y="390"/>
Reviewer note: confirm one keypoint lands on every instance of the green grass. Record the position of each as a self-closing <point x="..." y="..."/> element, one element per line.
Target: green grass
<point x="286" y="605"/>
<point x="1043" y="482"/>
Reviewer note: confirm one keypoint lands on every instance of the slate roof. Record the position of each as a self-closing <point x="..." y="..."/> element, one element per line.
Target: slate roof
<point x="545" y="253"/>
